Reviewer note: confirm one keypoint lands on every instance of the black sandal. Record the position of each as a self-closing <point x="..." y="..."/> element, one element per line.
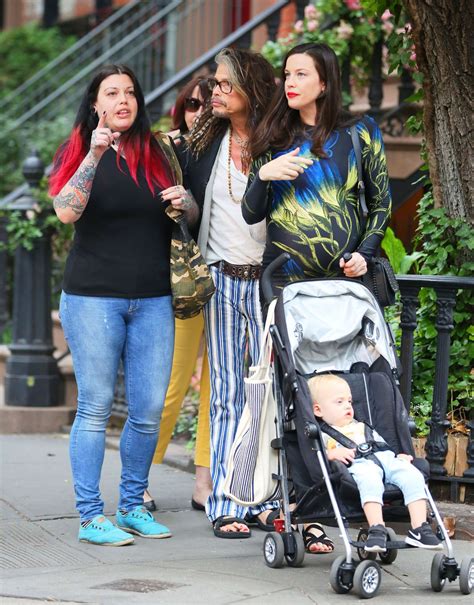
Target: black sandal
<point x="266" y="525"/>
<point x="311" y="538"/>
<point x="227" y="520"/>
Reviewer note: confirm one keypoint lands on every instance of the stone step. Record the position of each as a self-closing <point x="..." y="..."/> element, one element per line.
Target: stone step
<point x="16" y="419"/>
<point x="47" y="419"/>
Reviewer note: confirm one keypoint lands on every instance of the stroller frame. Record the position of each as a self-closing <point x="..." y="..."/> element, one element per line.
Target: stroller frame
<point x="285" y="543"/>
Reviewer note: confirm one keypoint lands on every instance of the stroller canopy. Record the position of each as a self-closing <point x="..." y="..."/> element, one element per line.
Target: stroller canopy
<point x="333" y="323"/>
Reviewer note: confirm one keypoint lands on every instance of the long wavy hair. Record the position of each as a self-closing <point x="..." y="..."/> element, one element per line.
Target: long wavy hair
<point x="281" y="125"/>
<point x="137" y="143"/>
<point x="252" y="77"/>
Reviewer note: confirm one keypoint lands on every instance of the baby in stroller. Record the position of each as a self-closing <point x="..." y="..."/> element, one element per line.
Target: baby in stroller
<point x="370" y="461"/>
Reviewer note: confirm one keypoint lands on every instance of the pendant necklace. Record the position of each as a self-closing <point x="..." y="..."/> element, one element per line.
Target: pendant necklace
<point x="243" y="144"/>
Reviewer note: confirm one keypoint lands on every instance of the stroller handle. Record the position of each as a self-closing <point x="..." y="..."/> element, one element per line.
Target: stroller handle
<point x="267" y="275"/>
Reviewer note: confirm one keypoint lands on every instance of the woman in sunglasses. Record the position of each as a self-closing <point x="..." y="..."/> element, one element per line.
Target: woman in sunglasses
<point x="188" y="333"/>
<point x="188" y="106"/>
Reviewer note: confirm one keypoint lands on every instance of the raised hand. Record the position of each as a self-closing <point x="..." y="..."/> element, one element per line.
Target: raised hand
<point x="102" y="138"/>
<point x="286" y="167"/>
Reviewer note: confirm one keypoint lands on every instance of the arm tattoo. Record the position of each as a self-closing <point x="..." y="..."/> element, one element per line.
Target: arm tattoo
<point x="75" y="194"/>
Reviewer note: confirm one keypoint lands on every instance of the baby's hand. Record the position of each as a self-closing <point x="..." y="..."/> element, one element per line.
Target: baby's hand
<point x="406" y="457"/>
<point x="342" y="454"/>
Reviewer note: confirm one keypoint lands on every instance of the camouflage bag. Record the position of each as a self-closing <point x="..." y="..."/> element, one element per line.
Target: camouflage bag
<point x="191" y="282"/>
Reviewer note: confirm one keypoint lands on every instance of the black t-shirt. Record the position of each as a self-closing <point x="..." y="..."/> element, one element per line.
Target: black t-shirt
<point x="122" y="241"/>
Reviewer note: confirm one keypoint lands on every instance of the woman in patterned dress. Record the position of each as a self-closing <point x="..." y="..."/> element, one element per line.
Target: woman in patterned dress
<point x="304" y="176"/>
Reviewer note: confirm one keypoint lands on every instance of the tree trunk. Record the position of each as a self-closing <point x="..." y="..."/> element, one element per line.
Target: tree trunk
<point x="442" y="32"/>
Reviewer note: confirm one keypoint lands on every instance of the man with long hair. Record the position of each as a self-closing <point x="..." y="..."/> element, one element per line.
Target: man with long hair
<point x="217" y="167"/>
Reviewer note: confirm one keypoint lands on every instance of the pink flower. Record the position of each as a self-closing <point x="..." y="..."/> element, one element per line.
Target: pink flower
<point x="345" y="30"/>
<point x="353" y="5"/>
<point x="310" y="12"/>
<point x="312" y="25"/>
<point x="413" y="57"/>
<point x="408" y="28"/>
<point x="387" y="27"/>
<point x="386" y="15"/>
<point x="299" y="28"/>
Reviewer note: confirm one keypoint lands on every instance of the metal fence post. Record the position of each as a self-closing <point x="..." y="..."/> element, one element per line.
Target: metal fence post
<point x="4" y="314"/>
<point x="437" y="442"/>
<point x="32" y="376"/>
<point x="410" y="302"/>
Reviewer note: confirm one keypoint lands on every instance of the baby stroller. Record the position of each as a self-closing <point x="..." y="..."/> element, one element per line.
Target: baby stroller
<point x="337" y="326"/>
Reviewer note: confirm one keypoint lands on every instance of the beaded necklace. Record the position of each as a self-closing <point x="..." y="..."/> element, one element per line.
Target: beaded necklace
<point x="243" y="152"/>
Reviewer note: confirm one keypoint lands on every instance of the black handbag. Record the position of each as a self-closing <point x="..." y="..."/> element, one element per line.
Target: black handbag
<point x="381" y="280"/>
<point x="380" y="277"/>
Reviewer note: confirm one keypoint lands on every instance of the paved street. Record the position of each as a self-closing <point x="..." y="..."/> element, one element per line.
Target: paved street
<point x="42" y="561"/>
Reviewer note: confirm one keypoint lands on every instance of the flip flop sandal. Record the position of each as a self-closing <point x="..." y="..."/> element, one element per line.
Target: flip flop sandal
<point x="266" y="525"/>
<point x="310" y="538"/>
<point x="222" y="521"/>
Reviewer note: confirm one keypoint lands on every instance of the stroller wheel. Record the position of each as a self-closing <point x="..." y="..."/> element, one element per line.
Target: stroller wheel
<point x="367" y="579"/>
<point x="389" y="557"/>
<point x="466" y="575"/>
<point x="297" y="558"/>
<point x="341" y="575"/>
<point x="273" y="550"/>
<point x="361" y="552"/>
<point x="438" y="573"/>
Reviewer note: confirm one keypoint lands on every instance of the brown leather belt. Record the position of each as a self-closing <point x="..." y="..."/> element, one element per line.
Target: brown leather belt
<point x="238" y="271"/>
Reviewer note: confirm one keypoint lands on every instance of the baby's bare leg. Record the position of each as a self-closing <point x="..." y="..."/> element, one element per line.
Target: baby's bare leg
<point x="373" y="513"/>
<point x="417" y="510"/>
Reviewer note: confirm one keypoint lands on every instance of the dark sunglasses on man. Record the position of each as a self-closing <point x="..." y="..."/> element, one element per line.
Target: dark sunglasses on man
<point x="192" y="104"/>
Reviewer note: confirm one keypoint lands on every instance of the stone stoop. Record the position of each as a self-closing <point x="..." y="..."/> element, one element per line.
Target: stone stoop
<point x="47" y="419"/>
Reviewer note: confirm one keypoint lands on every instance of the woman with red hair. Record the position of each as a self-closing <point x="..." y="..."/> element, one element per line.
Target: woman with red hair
<point x="110" y="179"/>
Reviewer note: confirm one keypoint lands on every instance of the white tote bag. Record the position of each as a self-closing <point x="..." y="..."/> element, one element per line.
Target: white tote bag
<point x="252" y="460"/>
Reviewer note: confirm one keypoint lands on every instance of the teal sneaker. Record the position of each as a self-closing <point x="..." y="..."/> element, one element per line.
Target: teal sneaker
<point x="142" y="523"/>
<point x="103" y="532"/>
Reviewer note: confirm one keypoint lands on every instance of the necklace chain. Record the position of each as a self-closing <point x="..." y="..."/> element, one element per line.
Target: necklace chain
<point x="243" y="152"/>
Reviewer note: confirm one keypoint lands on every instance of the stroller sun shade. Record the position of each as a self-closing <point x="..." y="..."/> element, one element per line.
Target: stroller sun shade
<point x="333" y="323"/>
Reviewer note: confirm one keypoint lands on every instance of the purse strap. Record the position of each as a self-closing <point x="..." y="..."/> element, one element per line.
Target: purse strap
<point x="360" y="177"/>
<point x="266" y="350"/>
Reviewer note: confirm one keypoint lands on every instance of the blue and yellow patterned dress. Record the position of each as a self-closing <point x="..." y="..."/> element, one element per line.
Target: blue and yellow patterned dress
<point x="316" y="217"/>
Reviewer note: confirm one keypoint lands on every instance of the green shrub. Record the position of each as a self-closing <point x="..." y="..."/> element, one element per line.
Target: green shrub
<point x="25" y="50"/>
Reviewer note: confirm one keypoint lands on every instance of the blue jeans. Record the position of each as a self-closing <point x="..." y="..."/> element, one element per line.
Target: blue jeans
<point x="369" y="478"/>
<point x="100" y="332"/>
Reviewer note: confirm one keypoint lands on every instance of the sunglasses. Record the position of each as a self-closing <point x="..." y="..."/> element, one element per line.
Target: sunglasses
<point x="192" y="104"/>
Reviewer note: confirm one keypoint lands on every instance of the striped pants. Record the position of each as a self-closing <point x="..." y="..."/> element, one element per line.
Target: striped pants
<point x="233" y="319"/>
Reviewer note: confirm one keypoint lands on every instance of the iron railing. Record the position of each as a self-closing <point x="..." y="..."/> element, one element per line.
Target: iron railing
<point x="446" y="289"/>
<point x="153" y="37"/>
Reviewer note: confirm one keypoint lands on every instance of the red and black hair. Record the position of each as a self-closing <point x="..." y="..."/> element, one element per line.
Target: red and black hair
<point x="138" y="144"/>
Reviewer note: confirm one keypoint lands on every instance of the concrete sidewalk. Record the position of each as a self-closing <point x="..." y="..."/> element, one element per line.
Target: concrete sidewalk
<point x="42" y="561"/>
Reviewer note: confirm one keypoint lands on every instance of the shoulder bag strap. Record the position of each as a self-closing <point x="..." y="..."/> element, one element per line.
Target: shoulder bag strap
<point x="360" y="178"/>
<point x="266" y="350"/>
